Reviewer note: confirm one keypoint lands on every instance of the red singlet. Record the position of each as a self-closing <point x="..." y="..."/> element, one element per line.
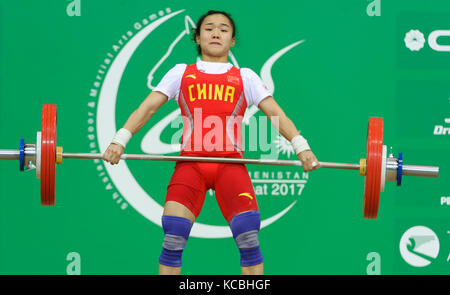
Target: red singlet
<point x="212" y="107"/>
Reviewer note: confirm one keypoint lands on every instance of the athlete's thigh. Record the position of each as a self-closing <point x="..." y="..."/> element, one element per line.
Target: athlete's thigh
<point x="185" y="192"/>
<point x="234" y="190"/>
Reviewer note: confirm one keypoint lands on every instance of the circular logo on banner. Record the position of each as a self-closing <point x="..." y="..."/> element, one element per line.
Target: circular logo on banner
<point x="419" y="246"/>
<point x="414" y="40"/>
<point x="133" y="67"/>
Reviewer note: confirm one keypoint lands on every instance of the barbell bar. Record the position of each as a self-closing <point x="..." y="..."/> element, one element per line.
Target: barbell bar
<point x="377" y="167"/>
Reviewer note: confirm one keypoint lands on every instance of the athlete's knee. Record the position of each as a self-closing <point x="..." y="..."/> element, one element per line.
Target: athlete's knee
<point x="176" y="233"/>
<point x="245" y="228"/>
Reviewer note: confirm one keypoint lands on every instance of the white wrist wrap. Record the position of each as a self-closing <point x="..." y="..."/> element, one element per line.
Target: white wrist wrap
<point x="299" y="144"/>
<point x="122" y="137"/>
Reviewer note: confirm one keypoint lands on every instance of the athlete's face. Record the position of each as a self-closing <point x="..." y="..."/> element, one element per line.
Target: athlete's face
<point x="216" y="36"/>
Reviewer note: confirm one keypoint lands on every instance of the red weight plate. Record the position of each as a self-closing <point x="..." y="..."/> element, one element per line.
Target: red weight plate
<point x="44" y="152"/>
<point x="372" y="180"/>
<point x="52" y="167"/>
<point x="48" y="155"/>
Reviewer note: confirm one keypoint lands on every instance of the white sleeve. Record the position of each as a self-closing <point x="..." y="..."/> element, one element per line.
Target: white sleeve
<point x="171" y="82"/>
<point x="254" y="89"/>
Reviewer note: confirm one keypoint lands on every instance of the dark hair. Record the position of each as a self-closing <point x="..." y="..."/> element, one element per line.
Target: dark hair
<point x="196" y="31"/>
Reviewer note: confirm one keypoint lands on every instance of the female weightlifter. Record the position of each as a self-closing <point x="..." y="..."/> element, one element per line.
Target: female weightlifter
<point x="212" y="95"/>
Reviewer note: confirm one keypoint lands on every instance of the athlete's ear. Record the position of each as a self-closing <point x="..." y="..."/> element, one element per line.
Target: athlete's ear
<point x="233" y="41"/>
<point x="197" y="39"/>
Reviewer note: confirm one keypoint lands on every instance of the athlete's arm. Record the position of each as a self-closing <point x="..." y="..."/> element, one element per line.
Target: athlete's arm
<point x="276" y="115"/>
<point x="145" y="111"/>
<point x="286" y="128"/>
<point x="135" y="122"/>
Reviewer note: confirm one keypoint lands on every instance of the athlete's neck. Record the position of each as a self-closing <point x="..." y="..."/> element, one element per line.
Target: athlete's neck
<point x="222" y="59"/>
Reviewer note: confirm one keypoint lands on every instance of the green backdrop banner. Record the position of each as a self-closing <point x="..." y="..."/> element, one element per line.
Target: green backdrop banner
<point x="331" y="65"/>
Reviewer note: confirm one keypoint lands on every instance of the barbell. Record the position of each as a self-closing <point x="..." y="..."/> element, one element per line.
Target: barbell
<point x="376" y="168"/>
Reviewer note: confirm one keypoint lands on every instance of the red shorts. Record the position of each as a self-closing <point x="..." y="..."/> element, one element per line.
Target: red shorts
<point x="231" y="182"/>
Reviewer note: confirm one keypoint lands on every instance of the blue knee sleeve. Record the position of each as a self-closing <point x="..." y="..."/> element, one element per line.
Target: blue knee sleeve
<point x="176" y="232"/>
<point x="245" y="228"/>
